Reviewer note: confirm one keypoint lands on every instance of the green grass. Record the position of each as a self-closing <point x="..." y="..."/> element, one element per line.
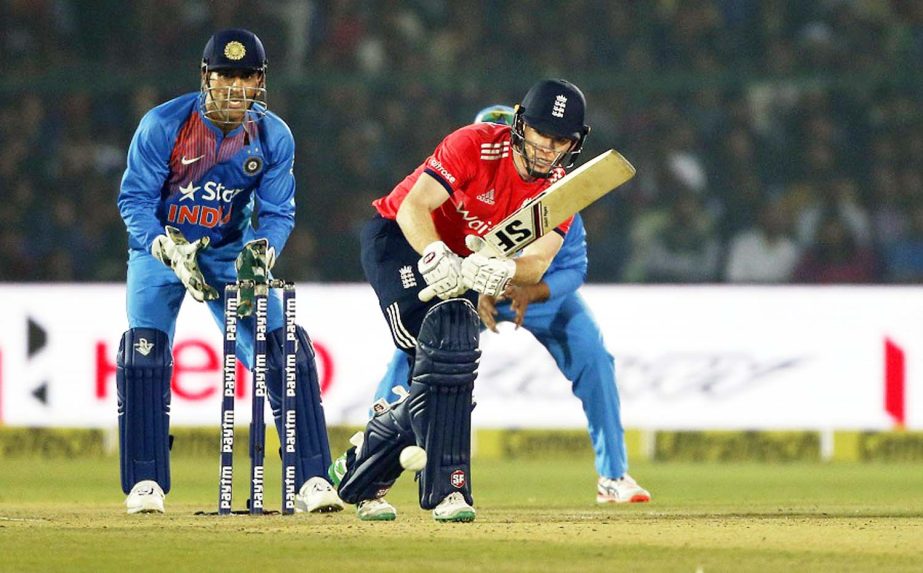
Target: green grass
<point x="536" y="515"/>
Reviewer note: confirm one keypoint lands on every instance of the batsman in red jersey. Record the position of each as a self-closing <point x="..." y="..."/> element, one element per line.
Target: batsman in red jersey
<point x="416" y="255"/>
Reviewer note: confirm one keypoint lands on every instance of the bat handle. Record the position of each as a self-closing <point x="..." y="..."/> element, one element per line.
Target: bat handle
<point x="475" y="243"/>
<point x="426" y="294"/>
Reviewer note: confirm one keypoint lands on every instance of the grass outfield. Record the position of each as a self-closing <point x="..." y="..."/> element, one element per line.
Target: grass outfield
<point x="532" y="516"/>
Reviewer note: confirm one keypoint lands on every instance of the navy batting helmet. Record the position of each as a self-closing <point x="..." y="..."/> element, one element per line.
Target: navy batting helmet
<point x="555" y="108"/>
<point x="234" y="49"/>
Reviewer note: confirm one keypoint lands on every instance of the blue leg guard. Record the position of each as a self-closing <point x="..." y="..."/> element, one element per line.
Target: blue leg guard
<point x="376" y="466"/>
<point x="440" y="398"/>
<point x="144" y="366"/>
<point x="311" y="444"/>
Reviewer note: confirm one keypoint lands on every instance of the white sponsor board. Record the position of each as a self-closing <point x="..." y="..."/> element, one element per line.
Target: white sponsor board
<point x="686" y="357"/>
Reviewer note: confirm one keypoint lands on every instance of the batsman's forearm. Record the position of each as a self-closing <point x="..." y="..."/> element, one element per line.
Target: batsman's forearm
<point x="416" y="223"/>
<point x="529" y="269"/>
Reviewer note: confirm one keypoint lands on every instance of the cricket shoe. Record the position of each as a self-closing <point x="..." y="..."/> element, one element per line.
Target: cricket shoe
<point x="145" y="497"/>
<point x="338" y="468"/>
<point x="376" y="510"/>
<point x="454" y="508"/>
<point x="622" y="490"/>
<point x="317" y="496"/>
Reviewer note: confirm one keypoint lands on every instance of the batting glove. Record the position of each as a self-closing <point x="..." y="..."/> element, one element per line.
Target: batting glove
<point x="173" y="250"/>
<point x="253" y="264"/>
<point x="488" y="275"/>
<point x="441" y="269"/>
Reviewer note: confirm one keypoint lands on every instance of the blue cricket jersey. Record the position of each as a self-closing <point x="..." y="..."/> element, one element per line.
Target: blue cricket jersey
<point x="568" y="269"/>
<point x="183" y="171"/>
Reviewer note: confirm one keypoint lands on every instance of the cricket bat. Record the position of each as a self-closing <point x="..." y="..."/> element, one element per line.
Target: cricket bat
<point x="564" y="198"/>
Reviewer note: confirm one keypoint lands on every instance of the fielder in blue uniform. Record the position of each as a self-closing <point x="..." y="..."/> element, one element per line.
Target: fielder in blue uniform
<point x="560" y="320"/>
<point x="196" y="165"/>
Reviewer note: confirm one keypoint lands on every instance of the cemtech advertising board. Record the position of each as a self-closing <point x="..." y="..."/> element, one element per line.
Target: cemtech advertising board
<point x="687" y="358"/>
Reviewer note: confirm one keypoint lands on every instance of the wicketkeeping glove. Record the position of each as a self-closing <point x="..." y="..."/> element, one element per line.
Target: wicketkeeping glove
<point x="253" y="264"/>
<point x="441" y="269"/>
<point x="486" y="275"/>
<point x="173" y="250"/>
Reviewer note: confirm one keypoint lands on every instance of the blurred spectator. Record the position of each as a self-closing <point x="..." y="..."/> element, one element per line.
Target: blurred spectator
<point x="682" y="246"/>
<point x="835" y="256"/>
<point x="904" y="256"/>
<point x="839" y="195"/>
<point x="765" y="253"/>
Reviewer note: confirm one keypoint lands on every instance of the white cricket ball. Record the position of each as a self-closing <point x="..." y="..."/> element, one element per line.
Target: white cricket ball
<point x="413" y="458"/>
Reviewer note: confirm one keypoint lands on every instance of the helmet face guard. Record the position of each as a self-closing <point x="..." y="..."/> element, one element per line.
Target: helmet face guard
<point x="555" y="108"/>
<point x="239" y="51"/>
<point x="529" y="151"/>
<point x="217" y="102"/>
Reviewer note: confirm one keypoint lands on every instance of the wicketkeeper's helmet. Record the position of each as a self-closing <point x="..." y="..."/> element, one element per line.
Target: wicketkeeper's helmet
<point x="235" y="49"/>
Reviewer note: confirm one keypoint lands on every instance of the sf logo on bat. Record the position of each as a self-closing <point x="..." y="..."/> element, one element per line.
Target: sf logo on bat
<point x="512" y="234"/>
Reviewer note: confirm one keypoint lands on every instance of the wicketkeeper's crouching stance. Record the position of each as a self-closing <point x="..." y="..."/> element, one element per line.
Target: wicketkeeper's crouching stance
<point x="415" y="248"/>
<point x="195" y="166"/>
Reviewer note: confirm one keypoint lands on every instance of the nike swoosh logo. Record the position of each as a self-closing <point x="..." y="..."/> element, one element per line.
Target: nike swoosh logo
<point x="185" y="161"/>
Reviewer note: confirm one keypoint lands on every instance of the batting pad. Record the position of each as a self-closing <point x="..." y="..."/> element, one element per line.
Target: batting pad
<point x="144" y="366"/>
<point x="375" y="466"/>
<point x="440" y="398"/>
<point x="311" y="444"/>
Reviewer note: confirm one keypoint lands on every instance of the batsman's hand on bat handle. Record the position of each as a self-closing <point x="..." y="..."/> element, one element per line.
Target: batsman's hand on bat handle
<point x="485" y="274"/>
<point x="253" y="265"/>
<point x="441" y="269"/>
<point x="173" y="250"/>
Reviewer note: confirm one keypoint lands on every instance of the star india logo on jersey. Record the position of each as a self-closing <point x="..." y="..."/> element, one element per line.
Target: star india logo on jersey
<point x="560" y="103"/>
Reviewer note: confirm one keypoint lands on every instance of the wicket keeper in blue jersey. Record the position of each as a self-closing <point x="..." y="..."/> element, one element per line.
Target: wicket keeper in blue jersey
<point x="560" y="320"/>
<point x="195" y="166"/>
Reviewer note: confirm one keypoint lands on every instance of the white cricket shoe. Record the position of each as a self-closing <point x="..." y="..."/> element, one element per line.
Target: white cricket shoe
<point x="376" y="510"/>
<point x="317" y="496"/>
<point x="145" y="497"/>
<point x="622" y="490"/>
<point x="454" y="508"/>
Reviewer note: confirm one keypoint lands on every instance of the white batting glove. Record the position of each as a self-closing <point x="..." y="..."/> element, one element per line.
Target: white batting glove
<point x="173" y="250"/>
<point x="441" y="269"/>
<point x="488" y="275"/>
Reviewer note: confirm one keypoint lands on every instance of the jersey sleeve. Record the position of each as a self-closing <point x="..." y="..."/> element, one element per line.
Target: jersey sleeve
<point x="568" y="270"/>
<point x="454" y="162"/>
<point x="145" y="174"/>
<point x="276" y="193"/>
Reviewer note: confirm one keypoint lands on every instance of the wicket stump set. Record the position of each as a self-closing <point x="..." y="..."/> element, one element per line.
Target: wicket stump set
<point x="257" y="424"/>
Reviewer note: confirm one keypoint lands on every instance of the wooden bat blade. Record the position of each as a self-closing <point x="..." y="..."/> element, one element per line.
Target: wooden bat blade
<point x="564" y="198"/>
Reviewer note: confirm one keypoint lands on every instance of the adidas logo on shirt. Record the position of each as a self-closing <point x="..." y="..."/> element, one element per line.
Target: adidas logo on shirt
<point x="487" y="197"/>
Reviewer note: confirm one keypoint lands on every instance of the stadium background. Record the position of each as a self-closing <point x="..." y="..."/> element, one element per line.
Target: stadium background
<point x="809" y="110"/>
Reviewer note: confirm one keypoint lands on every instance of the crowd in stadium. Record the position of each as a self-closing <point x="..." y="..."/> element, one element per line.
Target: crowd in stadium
<point x="775" y="141"/>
